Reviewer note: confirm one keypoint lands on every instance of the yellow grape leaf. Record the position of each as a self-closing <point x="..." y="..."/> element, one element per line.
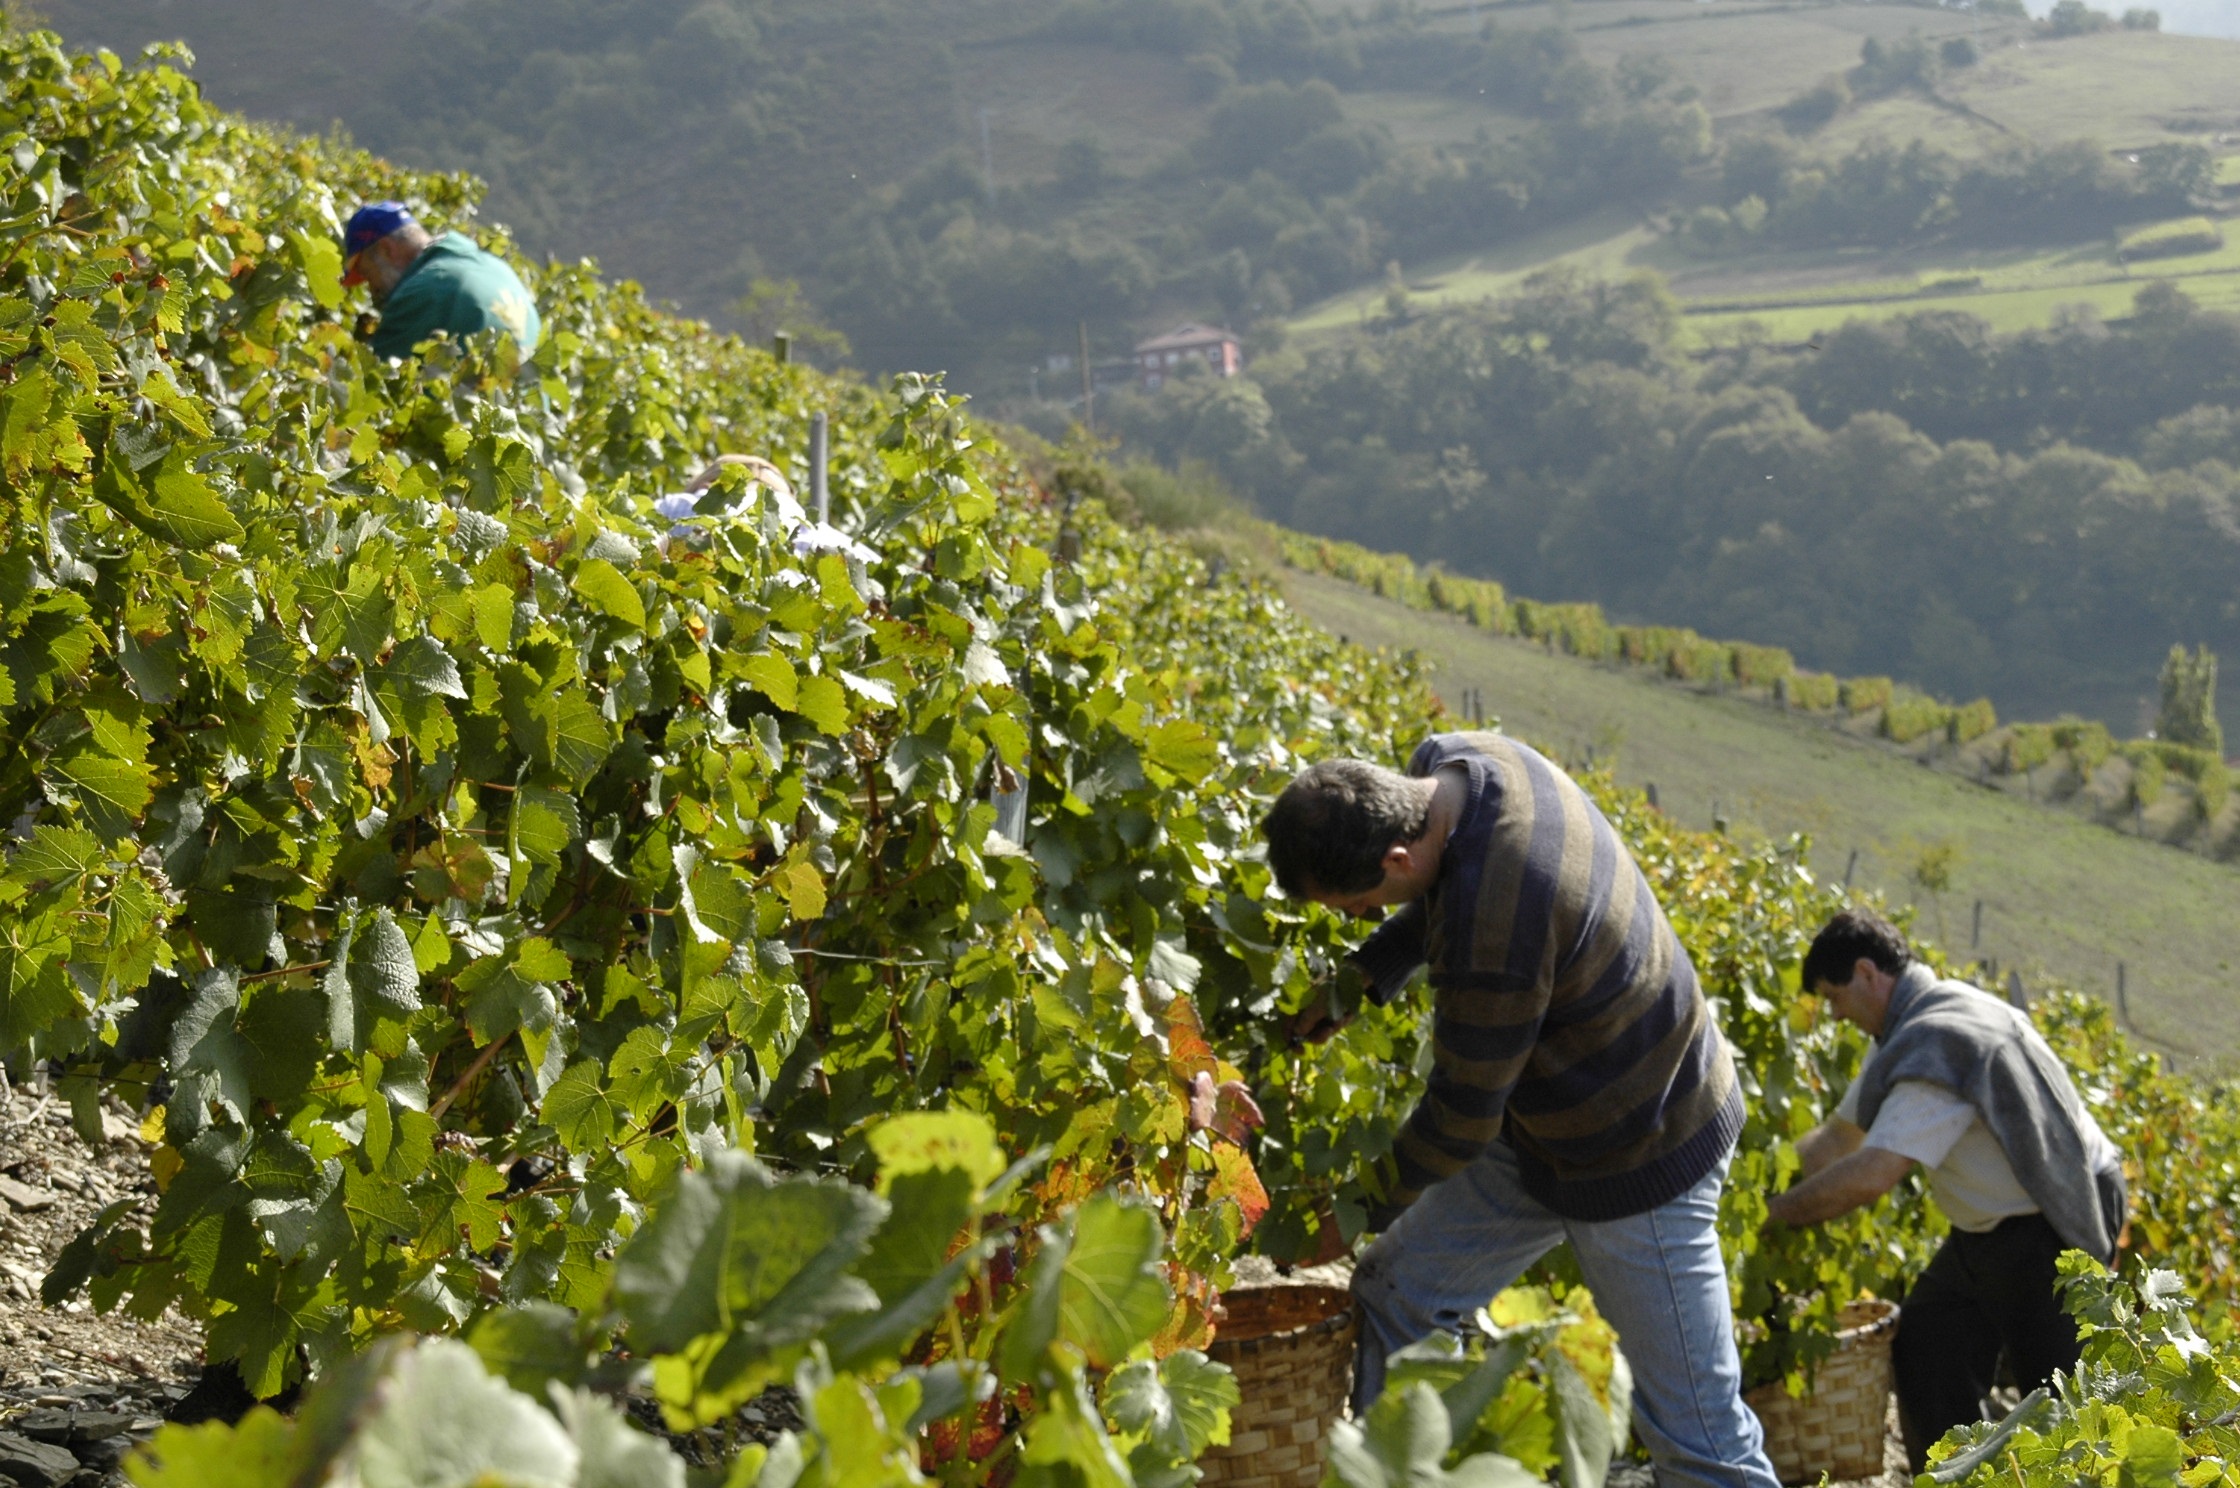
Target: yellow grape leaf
<point x="258" y="1453"/>
<point x="774" y="677"/>
<point x="803" y="889"/>
<point x="920" y="1141"/>
<point x="164" y="1165"/>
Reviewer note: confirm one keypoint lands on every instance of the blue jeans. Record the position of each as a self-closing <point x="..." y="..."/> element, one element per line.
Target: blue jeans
<point x="1658" y="1277"/>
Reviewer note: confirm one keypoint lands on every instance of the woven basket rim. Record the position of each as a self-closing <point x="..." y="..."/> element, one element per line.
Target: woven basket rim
<point x="1875" y="1315"/>
<point x="1338" y="1314"/>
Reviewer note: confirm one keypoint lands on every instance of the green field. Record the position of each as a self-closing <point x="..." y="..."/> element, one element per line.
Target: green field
<point x="1788" y="296"/>
<point x="2061" y="894"/>
<point x="2121" y="88"/>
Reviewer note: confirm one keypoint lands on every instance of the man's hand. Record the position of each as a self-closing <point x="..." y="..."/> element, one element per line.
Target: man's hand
<point x="1330" y="1007"/>
<point x="1329" y="1238"/>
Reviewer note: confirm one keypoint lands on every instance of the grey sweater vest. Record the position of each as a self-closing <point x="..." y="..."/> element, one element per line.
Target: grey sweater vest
<point x="1950" y="1034"/>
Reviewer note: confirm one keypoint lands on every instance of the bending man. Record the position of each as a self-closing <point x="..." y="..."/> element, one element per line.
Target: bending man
<point x="1962" y="1084"/>
<point x="1580" y="1090"/>
<point x="425" y="284"/>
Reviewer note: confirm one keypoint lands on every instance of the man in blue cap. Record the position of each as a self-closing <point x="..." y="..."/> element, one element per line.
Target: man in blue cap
<point x="425" y="284"/>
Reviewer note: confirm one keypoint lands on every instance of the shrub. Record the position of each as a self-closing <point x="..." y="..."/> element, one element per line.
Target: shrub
<point x="1577" y="629"/>
<point x="2026" y="746"/>
<point x="1971" y="721"/>
<point x="1706" y="662"/>
<point x="1761" y="666"/>
<point x="1480" y="601"/>
<point x="1816" y="105"/>
<point x="1858" y="694"/>
<point x="2086" y="740"/>
<point x="1651" y="645"/>
<point x="2171" y="239"/>
<point x="2075" y="18"/>
<point x="1708" y="231"/>
<point x="1192" y="496"/>
<point x="1815" y="692"/>
<point x="2142" y="20"/>
<point x="1958" y="51"/>
<point x="1910" y="715"/>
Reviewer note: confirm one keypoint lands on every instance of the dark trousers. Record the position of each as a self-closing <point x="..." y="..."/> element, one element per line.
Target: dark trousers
<point x="1981" y="1295"/>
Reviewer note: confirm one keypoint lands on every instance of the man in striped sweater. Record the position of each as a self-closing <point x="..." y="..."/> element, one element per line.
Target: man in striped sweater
<point x="1579" y="1088"/>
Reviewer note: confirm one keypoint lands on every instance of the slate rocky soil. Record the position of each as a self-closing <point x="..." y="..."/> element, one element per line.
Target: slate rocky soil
<point x="77" y="1390"/>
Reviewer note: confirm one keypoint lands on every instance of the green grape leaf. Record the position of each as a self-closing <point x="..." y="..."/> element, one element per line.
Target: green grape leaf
<point x="512" y="990"/>
<point x="612" y="1452"/>
<point x="1179" y="1404"/>
<point x="581" y="739"/>
<point x="530" y="1347"/>
<point x="824" y="703"/>
<point x="384" y="971"/>
<point x="112" y="791"/>
<point x="774" y="676"/>
<point x="236" y="925"/>
<point x="916" y="1263"/>
<point x="278" y="1030"/>
<point x="1960" y="1464"/>
<point x="174" y="504"/>
<point x="207" y="1046"/>
<point x="420" y="666"/>
<point x="749" y="1261"/>
<point x="542" y="825"/>
<point x="441" y="1418"/>
<point x="1066" y="1445"/>
<point x="1115" y="1292"/>
<point x="1404" y="1443"/>
<point x="257" y="1452"/>
<point x="2153" y="1457"/>
<point x="1185" y="748"/>
<point x="602" y="586"/>
<point x="1586" y="1437"/>
<point x="35" y="986"/>
<point x="577" y="1108"/>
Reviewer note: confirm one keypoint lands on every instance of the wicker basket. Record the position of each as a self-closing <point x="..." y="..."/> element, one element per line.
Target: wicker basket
<point x="1838" y="1429"/>
<point x="1291" y="1348"/>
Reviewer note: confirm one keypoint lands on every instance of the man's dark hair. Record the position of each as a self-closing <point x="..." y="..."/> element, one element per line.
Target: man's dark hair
<point x="1330" y="829"/>
<point x="1844" y="940"/>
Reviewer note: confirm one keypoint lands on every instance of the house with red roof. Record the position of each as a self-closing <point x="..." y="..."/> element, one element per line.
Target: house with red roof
<point x="1160" y="357"/>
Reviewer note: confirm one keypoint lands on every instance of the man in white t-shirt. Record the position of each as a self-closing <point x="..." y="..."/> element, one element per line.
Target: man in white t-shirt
<point x="1991" y="1288"/>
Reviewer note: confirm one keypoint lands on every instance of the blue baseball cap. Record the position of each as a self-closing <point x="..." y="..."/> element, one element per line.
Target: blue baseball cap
<point x="368" y="226"/>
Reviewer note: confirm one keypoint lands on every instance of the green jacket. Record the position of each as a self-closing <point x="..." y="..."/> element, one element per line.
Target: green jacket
<point x="454" y="286"/>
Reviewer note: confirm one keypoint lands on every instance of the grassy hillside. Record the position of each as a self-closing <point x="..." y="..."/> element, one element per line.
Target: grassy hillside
<point x="1788" y="296"/>
<point x="2059" y="893"/>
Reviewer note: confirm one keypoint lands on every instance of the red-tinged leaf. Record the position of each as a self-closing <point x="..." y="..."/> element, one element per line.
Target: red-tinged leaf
<point x="1235" y="1179"/>
<point x="1188" y="1053"/>
<point x="1201" y="1100"/>
<point x="1235" y="1113"/>
<point x="1190" y="1322"/>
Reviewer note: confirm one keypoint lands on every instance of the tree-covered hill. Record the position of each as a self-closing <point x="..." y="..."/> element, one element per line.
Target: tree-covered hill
<point x="2035" y="518"/>
<point x="961" y="185"/>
